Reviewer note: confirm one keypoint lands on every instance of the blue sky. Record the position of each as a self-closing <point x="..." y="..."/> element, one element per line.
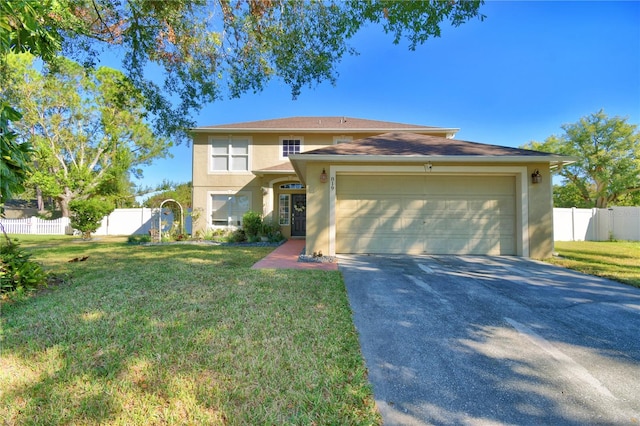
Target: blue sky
<point x="528" y="68"/>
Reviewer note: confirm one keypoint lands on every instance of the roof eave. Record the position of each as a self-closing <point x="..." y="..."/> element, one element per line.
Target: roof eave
<point x="262" y="173"/>
<point x="226" y="130"/>
<point x="553" y="160"/>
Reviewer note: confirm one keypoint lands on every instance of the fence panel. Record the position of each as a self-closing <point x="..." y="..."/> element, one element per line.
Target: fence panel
<point x="621" y="223"/>
<point x="37" y="226"/>
<point x="626" y="223"/>
<point x="119" y="222"/>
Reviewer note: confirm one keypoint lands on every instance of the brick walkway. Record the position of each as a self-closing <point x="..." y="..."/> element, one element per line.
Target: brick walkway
<point x="286" y="257"/>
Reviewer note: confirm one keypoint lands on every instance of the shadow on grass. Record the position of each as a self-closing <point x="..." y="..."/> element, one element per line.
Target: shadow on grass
<point x="181" y="334"/>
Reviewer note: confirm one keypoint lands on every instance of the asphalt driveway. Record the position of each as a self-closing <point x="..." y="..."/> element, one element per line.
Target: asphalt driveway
<point x="495" y="340"/>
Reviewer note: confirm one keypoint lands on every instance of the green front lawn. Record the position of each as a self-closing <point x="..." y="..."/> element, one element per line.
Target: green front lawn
<point x="179" y="334"/>
<point x="617" y="260"/>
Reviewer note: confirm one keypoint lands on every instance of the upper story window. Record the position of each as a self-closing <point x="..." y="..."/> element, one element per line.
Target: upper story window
<point x="230" y="154"/>
<point x="290" y="146"/>
<point x="342" y="139"/>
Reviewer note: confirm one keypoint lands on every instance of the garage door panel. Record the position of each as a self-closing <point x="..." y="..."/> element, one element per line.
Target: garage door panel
<point x="435" y="205"/>
<point x="413" y="204"/>
<point x="433" y="214"/>
<point x="356" y="225"/>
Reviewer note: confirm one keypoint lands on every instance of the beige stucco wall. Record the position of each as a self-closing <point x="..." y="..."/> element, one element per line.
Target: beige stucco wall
<point x="540" y="213"/>
<point x="265" y="152"/>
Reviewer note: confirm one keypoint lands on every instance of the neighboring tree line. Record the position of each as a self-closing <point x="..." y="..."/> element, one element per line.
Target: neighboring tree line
<point x="607" y="170"/>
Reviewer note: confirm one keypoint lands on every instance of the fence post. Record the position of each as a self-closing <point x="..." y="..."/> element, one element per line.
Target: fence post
<point x="33" y="225"/>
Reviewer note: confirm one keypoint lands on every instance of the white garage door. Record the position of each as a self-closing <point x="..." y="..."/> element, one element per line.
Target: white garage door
<point x="426" y="214"/>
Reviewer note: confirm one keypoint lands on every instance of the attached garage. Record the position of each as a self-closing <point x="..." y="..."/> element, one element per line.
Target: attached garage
<point x="401" y="193"/>
<point x="426" y="214"/>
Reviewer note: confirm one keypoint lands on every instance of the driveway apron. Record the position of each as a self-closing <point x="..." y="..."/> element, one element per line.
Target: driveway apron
<point x="495" y="340"/>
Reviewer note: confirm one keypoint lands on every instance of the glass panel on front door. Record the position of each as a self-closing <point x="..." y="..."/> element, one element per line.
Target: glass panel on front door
<point x="298" y="215"/>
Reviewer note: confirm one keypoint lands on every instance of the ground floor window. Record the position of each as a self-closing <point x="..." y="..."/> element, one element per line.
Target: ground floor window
<point x="283" y="209"/>
<point x="227" y="210"/>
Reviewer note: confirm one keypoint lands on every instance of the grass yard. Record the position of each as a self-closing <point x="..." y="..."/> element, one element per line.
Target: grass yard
<point x="179" y="334"/>
<point x="617" y="260"/>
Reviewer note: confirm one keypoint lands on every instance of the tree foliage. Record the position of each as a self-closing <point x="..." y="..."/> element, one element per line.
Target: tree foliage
<point x="25" y="26"/>
<point x="87" y="128"/>
<point x="181" y="192"/>
<point x="212" y="49"/>
<point x="208" y="50"/>
<point x="608" y="167"/>
<point x="15" y="157"/>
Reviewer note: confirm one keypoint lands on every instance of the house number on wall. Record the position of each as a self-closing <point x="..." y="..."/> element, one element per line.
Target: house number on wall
<point x="333" y="181"/>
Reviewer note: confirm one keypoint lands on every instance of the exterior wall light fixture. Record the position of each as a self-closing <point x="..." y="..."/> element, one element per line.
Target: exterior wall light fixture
<point x="536" y="177"/>
<point x="323" y="176"/>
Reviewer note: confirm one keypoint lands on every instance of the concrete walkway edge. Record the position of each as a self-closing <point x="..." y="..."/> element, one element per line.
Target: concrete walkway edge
<point x="286" y="257"/>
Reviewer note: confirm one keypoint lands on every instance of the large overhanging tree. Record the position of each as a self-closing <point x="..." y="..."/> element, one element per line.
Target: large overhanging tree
<point x="211" y="49"/>
<point x="87" y="127"/>
<point x="608" y="168"/>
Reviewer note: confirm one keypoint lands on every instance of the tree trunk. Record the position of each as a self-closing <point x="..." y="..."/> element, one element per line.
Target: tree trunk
<point x="40" y="200"/>
<point x="601" y="202"/>
<point x="64" y="199"/>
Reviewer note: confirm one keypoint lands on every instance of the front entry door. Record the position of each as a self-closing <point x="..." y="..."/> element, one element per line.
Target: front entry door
<point x="298" y="215"/>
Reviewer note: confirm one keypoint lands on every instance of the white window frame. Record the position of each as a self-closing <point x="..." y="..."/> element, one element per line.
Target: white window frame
<point x="230" y="154"/>
<point x="229" y="195"/>
<point x="284" y="210"/>
<point x="292" y="186"/>
<point x="290" y="138"/>
<point x="342" y="139"/>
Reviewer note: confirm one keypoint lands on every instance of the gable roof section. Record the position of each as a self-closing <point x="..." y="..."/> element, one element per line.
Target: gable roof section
<point x="321" y="125"/>
<point x="410" y="147"/>
<point x="409" y="144"/>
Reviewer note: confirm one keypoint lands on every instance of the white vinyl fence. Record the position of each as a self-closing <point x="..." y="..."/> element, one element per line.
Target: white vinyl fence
<point x="34" y="225"/>
<point x="619" y="223"/>
<point x="120" y="222"/>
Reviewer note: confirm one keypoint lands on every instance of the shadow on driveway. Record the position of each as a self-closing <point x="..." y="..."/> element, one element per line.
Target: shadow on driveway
<point x="495" y="340"/>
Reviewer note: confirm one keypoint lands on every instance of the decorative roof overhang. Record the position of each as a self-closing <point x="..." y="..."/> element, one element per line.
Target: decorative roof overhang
<point x="417" y="148"/>
<point x="334" y="125"/>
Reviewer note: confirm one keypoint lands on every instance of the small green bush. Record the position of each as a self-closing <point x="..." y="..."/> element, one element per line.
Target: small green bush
<point x="17" y="271"/>
<point x="237" y="236"/>
<point x="87" y="215"/>
<point x="218" y="234"/>
<point x="139" y="239"/>
<point x="252" y="225"/>
<point x="271" y="230"/>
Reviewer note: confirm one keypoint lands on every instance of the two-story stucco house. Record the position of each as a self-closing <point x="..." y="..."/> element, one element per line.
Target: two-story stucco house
<point x="351" y="185"/>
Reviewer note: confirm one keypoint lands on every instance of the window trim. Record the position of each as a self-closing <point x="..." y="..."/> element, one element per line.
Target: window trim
<point x="292" y="186"/>
<point x="342" y="139"/>
<point x="230" y="155"/>
<point x="228" y="194"/>
<point x="289" y="138"/>
<point x="286" y="214"/>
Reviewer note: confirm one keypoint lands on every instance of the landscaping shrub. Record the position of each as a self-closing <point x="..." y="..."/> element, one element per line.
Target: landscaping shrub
<point x="17" y="271"/>
<point x="252" y="225"/>
<point x="87" y="215"/>
<point x="237" y="236"/>
<point x="271" y="230"/>
<point x="139" y="239"/>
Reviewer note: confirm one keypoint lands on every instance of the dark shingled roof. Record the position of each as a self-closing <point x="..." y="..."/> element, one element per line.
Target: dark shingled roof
<point x="318" y="123"/>
<point x="408" y="144"/>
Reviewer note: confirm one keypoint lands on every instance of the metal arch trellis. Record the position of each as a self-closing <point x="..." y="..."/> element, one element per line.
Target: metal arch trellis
<point x="160" y="217"/>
